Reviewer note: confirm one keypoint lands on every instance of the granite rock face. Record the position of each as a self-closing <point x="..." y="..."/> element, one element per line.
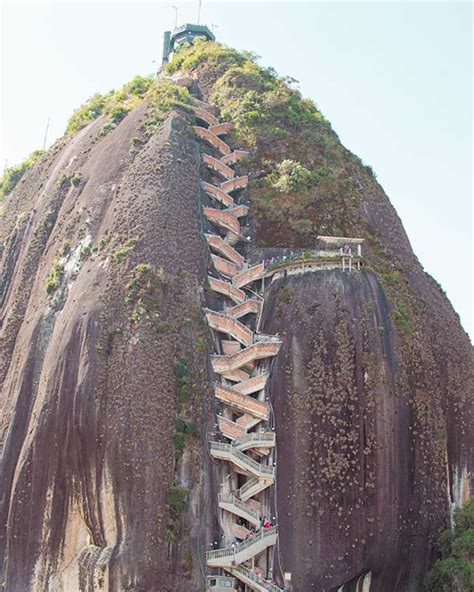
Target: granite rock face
<point x="89" y="400"/>
<point x="106" y="406"/>
<point x="369" y="456"/>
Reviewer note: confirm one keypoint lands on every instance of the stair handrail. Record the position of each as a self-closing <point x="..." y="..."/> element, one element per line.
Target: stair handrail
<point x="261" y="535"/>
<point x="248" y="485"/>
<point x="229" y="498"/>
<point x="257" y="579"/>
<point x="254" y="437"/>
<point x="264" y="469"/>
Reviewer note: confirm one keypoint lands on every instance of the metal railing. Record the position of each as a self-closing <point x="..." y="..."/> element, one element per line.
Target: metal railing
<point x="218" y="583"/>
<point x="255" y="437"/>
<point x="250" y="575"/>
<point x="264" y="337"/>
<point x="247" y="486"/>
<point x="254" y="466"/>
<point x="307" y="256"/>
<point x="234" y="550"/>
<point x="228" y="498"/>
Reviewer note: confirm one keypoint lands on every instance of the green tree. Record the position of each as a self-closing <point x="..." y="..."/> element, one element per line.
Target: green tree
<point x="455" y="571"/>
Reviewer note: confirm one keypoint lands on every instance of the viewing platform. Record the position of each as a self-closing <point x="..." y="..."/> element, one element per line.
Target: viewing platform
<point x="205" y="134"/>
<point x="257" y="351"/>
<point x="338" y="253"/>
<point x="237" y="554"/>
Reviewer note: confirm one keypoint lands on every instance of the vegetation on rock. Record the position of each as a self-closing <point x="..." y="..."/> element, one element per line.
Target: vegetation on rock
<point x="162" y="95"/>
<point x="13" y="174"/>
<point x="53" y="280"/>
<point x="116" y="104"/>
<point x="455" y="571"/>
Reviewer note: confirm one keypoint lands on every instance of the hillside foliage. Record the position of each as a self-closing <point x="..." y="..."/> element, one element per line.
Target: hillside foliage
<point x="13" y="174"/>
<point x="116" y="104"/>
<point x="455" y="570"/>
<point x="304" y="175"/>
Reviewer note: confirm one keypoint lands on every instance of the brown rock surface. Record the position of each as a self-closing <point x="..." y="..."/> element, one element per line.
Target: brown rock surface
<point x="373" y="432"/>
<point x="372" y="390"/>
<point x="88" y="371"/>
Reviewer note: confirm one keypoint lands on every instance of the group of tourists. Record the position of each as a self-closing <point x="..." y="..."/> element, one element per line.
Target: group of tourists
<point x="264" y="524"/>
<point x="280" y="259"/>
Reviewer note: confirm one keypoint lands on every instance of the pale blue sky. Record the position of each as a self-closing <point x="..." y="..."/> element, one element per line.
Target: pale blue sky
<point x="394" y="79"/>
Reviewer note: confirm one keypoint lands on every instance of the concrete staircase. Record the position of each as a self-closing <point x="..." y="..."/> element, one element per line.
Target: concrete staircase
<point x="239" y="553"/>
<point x="242" y="366"/>
<point x="245" y="357"/>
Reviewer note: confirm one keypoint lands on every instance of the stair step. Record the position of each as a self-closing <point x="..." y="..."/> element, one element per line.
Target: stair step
<point x="218" y="166"/>
<point x="223" y="248"/>
<point x="203" y="114"/>
<point x="235" y="183"/>
<point x="234" y="156"/>
<point x="221" y="128"/>
<point x="214" y="140"/>
<point x="229" y="326"/>
<point x="237" y="554"/>
<point x="227" y="289"/>
<point x="249" y="355"/>
<point x="223" y="219"/>
<point x="224" y="266"/>
<point x="252" y="385"/>
<point x="250" y="406"/>
<point x="217" y="194"/>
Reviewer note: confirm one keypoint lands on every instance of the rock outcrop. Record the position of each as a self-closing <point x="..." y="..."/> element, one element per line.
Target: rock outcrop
<point x="105" y="372"/>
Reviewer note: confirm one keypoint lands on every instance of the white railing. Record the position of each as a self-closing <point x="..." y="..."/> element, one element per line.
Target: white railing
<point x="253" y="577"/>
<point x="251" y="483"/>
<point x="264" y="337"/>
<point x="228" y="498"/>
<point x="252" y="464"/>
<point x="255" y="437"/>
<point x="301" y="259"/>
<point x="220" y="583"/>
<point x="263" y="534"/>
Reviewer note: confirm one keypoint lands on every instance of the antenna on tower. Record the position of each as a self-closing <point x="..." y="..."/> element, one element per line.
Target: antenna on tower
<point x="46" y="134"/>
<point x="199" y="12"/>
<point x="175" y="15"/>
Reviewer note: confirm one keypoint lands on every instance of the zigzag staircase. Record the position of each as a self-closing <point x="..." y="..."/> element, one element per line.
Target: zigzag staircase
<point x="246" y="444"/>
